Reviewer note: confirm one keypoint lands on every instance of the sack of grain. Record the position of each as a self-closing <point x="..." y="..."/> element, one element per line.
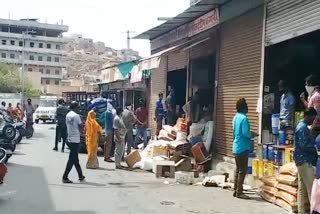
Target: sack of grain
<point x="270" y="181"/>
<point x="287" y="197"/>
<point x="269" y="189"/>
<point x="268" y="197"/>
<point x="287" y="188"/>
<point x="288" y="179"/>
<point x="289" y="169"/>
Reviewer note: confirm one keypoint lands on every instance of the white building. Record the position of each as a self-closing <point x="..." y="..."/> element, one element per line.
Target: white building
<point x="41" y="44"/>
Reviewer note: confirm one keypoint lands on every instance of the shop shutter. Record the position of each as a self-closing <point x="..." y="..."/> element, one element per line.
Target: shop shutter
<point x="177" y="60"/>
<point x="239" y="74"/>
<point x="289" y="19"/>
<point x="158" y="84"/>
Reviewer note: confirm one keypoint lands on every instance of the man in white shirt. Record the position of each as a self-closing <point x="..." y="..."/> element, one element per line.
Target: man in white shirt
<point x="74" y="126"/>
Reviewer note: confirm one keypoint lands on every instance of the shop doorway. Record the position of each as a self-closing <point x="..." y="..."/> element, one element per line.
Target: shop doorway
<point x="178" y="81"/>
<point x="292" y="60"/>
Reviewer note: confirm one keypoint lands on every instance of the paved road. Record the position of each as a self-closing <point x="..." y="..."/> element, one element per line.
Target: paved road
<point x="33" y="186"/>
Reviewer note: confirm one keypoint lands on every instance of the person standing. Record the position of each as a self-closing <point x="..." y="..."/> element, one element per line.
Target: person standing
<point x="109" y="116"/>
<point x="305" y="156"/>
<point x="313" y="89"/>
<point x="18" y="112"/>
<point x="29" y="114"/>
<point x="171" y="107"/>
<point x="3" y="107"/>
<point x="128" y="120"/>
<point x="193" y="109"/>
<point x="74" y="125"/>
<point x="119" y="137"/>
<point x="159" y="113"/>
<point x="287" y="104"/>
<point x="61" y="128"/>
<point x="241" y="146"/>
<point x="92" y="131"/>
<point x="142" y="120"/>
<point x="10" y="109"/>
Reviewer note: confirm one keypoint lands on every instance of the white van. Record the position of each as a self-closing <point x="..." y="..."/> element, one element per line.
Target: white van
<point x="47" y="109"/>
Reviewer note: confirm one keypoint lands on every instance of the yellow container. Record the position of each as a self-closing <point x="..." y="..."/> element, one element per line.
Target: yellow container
<point x="255" y="168"/>
<point x="288" y="155"/>
<point x="261" y="168"/>
<point x="270" y="169"/>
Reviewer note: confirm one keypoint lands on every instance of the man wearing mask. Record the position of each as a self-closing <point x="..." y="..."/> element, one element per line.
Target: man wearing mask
<point x="159" y="113"/>
<point x="287" y="103"/>
<point x="305" y="156"/>
<point x="128" y="120"/>
<point x="313" y="89"/>
<point x="171" y="107"/>
<point x="61" y="128"/>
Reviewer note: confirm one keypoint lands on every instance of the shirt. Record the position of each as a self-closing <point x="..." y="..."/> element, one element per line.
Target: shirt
<point x="304" y="145"/>
<point x="108" y="122"/>
<point x="118" y="123"/>
<point x="287" y="103"/>
<point x="142" y="115"/>
<point x="314" y="102"/>
<point x="159" y="110"/>
<point x="62" y="112"/>
<point x="29" y="110"/>
<point x="73" y="122"/>
<point x="128" y="119"/>
<point x="241" y="134"/>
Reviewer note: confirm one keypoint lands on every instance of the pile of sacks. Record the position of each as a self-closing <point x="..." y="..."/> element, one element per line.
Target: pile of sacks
<point x="283" y="189"/>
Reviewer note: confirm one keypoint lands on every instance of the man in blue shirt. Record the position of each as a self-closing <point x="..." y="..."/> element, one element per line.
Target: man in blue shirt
<point x="287" y="103"/>
<point x="241" y="146"/>
<point x="159" y="113"/>
<point x="305" y="156"/>
<point x="109" y="116"/>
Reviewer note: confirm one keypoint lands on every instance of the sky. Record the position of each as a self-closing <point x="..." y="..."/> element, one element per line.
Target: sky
<point x="101" y="20"/>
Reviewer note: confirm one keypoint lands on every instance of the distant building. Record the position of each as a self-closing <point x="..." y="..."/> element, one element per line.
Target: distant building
<point x="42" y="44"/>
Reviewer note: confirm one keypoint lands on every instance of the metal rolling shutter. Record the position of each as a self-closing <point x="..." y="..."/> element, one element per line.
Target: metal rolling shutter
<point x="158" y="84"/>
<point x="289" y="19"/>
<point x="239" y="74"/>
<point x="177" y="60"/>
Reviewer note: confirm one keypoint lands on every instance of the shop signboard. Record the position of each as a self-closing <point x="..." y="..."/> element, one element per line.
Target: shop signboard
<point x="193" y="28"/>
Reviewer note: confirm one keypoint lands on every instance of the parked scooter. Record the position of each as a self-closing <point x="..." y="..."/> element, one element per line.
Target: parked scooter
<point x="3" y="168"/>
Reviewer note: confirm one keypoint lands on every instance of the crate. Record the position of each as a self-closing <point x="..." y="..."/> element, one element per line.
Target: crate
<point x="164" y="169"/>
<point x="133" y="158"/>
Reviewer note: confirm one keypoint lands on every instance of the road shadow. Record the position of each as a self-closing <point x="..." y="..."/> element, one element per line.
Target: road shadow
<point x="31" y="195"/>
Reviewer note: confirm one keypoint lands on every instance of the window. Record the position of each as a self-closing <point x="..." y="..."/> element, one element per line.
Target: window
<point x="40" y="45"/>
<point x="49" y="58"/>
<point x="56" y="59"/>
<point x="41" y="70"/>
<point x="49" y="46"/>
<point x="48" y="71"/>
<point x="56" y="82"/>
<point x="57" y="72"/>
<point x="31" y="57"/>
<point x="4" y="42"/>
<point x="3" y="55"/>
<point x="12" y="42"/>
<point x="20" y="43"/>
<point x="32" y="44"/>
<point x="30" y="69"/>
<point x="39" y="58"/>
<point x="12" y="56"/>
<point x="47" y="82"/>
<point x="58" y="47"/>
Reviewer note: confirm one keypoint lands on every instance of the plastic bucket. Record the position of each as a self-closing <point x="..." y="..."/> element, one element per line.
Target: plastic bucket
<point x="275" y="123"/>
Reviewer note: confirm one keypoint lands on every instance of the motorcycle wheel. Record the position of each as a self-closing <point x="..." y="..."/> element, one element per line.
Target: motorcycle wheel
<point x="29" y="133"/>
<point x="9" y="132"/>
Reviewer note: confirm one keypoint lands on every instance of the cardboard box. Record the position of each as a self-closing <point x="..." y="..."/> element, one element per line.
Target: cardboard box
<point x="199" y="152"/>
<point x="159" y="151"/>
<point x="133" y="158"/>
<point x="164" y="169"/>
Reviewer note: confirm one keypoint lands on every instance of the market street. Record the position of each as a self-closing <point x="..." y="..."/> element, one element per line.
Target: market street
<point x="33" y="186"/>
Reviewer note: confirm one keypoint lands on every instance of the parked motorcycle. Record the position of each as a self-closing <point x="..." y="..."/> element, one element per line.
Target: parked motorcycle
<point x="3" y="168"/>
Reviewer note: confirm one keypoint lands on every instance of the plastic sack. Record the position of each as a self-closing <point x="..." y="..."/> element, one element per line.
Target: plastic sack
<point x="269" y="189"/>
<point x="146" y="164"/>
<point x="268" y="197"/>
<point x="196" y="129"/>
<point x="270" y="181"/>
<point x="315" y="196"/>
<point x="282" y="203"/>
<point x="208" y="134"/>
<point x="287" y="188"/>
<point x="290" y="199"/>
<point x="288" y="179"/>
<point x="289" y="168"/>
<point x="137" y="165"/>
<point x="181" y="136"/>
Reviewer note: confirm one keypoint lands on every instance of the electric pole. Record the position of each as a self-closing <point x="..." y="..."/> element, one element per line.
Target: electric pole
<point x="128" y="32"/>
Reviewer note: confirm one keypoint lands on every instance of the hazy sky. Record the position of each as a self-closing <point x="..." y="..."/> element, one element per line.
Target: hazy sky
<point x="102" y="20"/>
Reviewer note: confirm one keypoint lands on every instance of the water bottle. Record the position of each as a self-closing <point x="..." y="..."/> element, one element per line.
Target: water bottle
<point x="317" y="171"/>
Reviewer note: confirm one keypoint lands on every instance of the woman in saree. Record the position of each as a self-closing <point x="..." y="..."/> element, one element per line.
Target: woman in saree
<point x="92" y="131"/>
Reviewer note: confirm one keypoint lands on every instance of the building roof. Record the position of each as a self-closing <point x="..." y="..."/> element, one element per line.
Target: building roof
<point x="190" y="14"/>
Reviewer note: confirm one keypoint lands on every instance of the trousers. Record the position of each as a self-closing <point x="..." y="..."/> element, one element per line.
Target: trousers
<point x="61" y="132"/>
<point x="305" y="180"/>
<point x="73" y="160"/>
<point x="241" y="171"/>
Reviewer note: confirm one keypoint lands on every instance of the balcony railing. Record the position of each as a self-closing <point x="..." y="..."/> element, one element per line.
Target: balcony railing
<point x="33" y="50"/>
<point x="33" y="37"/>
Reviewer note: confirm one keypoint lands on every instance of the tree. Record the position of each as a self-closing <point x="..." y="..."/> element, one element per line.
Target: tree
<point x="11" y="82"/>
